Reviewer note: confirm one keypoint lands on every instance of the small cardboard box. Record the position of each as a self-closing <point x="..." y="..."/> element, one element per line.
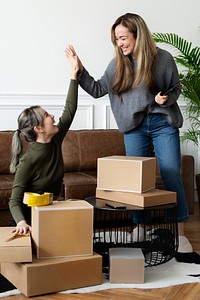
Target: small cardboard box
<point x="44" y="276"/>
<point x="17" y="249"/>
<point x="63" y="229"/>
<point x="126" y="173"/>
<point x="126" y="265"/>
<point x="151" y="198"/>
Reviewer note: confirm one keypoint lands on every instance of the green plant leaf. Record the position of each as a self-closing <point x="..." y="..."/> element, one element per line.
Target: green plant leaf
<point x="189" y="59"/>
<point x="188" y="56"/>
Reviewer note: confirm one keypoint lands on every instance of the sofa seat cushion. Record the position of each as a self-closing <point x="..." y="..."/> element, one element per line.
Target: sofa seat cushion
<point x="81" y="184"/>
<point x="5" y="218"/>
<point x="6" y="183"/>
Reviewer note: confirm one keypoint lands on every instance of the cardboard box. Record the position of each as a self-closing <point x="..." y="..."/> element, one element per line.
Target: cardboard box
<point x="52" y="275"/>
<point x="126" y="265"/>
<point x="17" y="249"/>
<point x="63" y="229"/>
<point x="126" y="173"/>
<point x="151" y="198"/>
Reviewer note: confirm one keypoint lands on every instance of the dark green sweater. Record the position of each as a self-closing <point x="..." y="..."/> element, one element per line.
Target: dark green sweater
<point x="41" y="168"/>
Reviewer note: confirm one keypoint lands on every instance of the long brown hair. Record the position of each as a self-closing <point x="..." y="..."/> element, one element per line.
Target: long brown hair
<point x="144" y="53"/>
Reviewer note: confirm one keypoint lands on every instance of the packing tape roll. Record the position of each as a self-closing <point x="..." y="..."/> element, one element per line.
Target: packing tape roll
<point x="34" y="199"/>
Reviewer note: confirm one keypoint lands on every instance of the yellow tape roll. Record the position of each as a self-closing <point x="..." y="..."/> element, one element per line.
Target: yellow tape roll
<point x="34" y="199"/>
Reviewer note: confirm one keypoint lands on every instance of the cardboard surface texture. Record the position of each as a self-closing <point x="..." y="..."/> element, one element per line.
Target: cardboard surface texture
<point x="151" y="198"/>
<point x="126" y="265"/>
<point x="63" y="229"/>
<point x="126" y="173"/>
<point x="16" y="249"/>
<point x="44" y="276"/>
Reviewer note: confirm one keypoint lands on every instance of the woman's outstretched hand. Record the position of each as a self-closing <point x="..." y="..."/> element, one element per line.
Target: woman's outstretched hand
<point x="74" y="60"/>
<point x="22" y="228"/>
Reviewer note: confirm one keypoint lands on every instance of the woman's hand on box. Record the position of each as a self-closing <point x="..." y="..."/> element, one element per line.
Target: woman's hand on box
<point x="22" y="228"/>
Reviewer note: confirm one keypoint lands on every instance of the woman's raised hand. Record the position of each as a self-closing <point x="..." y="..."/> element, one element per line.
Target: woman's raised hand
<point x="74" y="60"/>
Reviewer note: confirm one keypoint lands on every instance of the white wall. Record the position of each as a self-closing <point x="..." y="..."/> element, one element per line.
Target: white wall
<point x="34" y="34"/>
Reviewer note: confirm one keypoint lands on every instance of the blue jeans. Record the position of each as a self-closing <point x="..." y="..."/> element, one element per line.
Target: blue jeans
<point x="166" y="142"/>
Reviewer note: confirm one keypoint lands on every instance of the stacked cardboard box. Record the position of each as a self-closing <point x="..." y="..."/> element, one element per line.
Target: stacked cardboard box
<point x="51" y="275"/>
<point x="62" y="250"/>
<point x="126" y="265"/>
<point x="130" y="180"/>
<point x="63" y="229"/>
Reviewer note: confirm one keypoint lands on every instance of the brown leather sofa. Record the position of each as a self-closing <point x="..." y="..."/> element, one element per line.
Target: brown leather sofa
<point x="81" y="148"/>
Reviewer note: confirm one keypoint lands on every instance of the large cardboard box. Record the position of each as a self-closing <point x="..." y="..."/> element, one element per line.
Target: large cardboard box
<point x="126" y="265"/>
<point x="63" y="229"/>
<point x="14" y="249"/>
<point x="52" y="275"/>
<point x="151" y="198"/>
<point x="126" y="173"/>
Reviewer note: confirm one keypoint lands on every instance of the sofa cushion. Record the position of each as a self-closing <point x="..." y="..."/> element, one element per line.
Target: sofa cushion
<point x="81" y="184"/>
<point x="82" y="148"/>
<point x="70" y="150"/>
<point x="5" y="218"/>
<point x="5" y="148"/>
<point x="6" y="183"/>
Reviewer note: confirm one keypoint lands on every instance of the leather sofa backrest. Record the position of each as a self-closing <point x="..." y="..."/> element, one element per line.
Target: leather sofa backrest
<point x="5" y="150"/>
<point x="82" y="148"/>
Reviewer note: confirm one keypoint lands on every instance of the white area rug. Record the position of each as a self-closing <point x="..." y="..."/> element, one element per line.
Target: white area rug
<point x="167" y="274"/>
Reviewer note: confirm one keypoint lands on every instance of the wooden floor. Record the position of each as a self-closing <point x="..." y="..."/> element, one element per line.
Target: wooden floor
<point x="180" y="292"/>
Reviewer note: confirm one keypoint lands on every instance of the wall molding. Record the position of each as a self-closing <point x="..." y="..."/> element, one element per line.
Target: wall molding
<point x="38" y="99"/>
<point x="91" y="113"/>
<point x="52" y="99"/>
<point x="12" y="104"/>
<point x="109" y="118"/>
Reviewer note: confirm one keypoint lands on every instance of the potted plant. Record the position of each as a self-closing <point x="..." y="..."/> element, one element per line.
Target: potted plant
<point x="188" y="59"/>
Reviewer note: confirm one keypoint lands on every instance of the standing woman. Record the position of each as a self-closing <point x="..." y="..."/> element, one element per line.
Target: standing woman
<point x="135" y="81"/>
<point x="41" y="168"/>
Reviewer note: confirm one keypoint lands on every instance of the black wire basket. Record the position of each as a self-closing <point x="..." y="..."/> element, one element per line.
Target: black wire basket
<point x="113" y="227"/>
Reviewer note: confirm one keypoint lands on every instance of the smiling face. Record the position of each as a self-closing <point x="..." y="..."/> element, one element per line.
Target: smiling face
<point x="47" y="130"/>
<point x="124" y="39"/>
<point x="48" y="123"/>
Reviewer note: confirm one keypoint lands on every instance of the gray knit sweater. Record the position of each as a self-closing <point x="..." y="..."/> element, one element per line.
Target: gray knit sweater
<point x="139" y="101"/>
